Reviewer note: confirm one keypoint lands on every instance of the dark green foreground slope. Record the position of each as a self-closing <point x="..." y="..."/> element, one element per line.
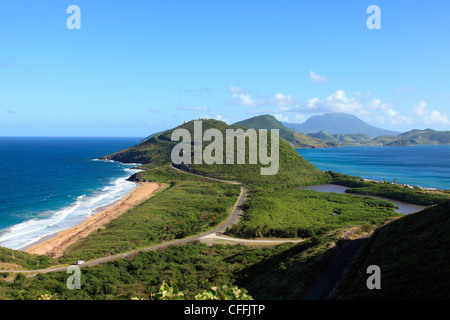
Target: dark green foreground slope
<point x="413" y="254"/>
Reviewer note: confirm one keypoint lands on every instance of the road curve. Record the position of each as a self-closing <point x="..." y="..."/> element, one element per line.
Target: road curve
<point x="234" y="217"/>
<point x="212" y="234"/>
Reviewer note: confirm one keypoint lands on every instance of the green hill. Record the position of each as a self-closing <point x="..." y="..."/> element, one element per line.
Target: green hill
<point x="294" y="138"/>
<point x="413" y="254"/>
<point x="342" y="139"/>
<point x="14" y="259"/>
<point x="414" y="137"/>
<point x="156" y="151"/>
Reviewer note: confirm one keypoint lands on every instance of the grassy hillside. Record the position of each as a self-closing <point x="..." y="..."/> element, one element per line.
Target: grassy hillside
<point x="14" y="260"/>
<point x="284" y="271"/>
<point x="304" y="213"/>
<point x="414" y="137"/>
<point x="293" y="169"/>
<point x="389" y="190"/>
<point x="413" y="254"/>
<point x="190" y="205"/>
<point x="342" y="139"/>
<point x="294" y="138"/>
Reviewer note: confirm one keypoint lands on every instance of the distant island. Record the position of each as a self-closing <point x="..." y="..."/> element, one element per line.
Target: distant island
<point x="343" y="129"/>
<point x="339" y="123"/>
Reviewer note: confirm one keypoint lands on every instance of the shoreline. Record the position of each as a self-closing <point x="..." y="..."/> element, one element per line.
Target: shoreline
<point x="407" y="208"/>
<point x="54" y="245"/>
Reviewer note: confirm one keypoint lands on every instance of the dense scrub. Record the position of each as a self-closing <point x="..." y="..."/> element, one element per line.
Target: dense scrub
<point x="185" y="208"/>
<point x="413" y="255"/>
<point x="388" y="190"/>
<point x="305" y="213"/>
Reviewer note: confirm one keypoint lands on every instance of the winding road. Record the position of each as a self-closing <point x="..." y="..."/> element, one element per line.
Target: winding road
<point x="214" y="234"/>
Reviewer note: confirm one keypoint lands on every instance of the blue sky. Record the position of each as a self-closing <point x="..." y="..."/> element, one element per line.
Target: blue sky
<point x="138" y="67"/>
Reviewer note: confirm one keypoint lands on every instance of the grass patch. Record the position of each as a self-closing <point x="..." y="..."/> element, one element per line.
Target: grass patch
<point x="277" y="272"/>
<point x="389" y="190"/>
<point x="413" y="255"/>
<point x="14" y="259"/>
<point x="186" y="208"/>
<point x="304" y="213"/>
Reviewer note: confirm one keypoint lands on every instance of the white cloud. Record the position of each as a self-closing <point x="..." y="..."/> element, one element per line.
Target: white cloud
<point x="282" y="100"/>
<point x="404" y="89"/>
<point x="314" y="77"/>
<point x="234" y="89"/>
<point x="336" y="102"/>
<point x="244" y="100"/>
<point x="430" y="117"/>
<point x="420" y="108"/>
<point x="299" y="118"/>
<point x="191" y="108"/>
<point x="369" y="109"/>
<point x="281" y="117"/>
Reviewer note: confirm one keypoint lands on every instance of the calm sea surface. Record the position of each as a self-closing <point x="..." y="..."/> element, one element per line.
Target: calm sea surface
<point x="426" y="166"/>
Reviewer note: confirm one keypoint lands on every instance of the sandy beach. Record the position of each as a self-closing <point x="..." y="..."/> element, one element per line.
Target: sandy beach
<point x="54" y="246"/>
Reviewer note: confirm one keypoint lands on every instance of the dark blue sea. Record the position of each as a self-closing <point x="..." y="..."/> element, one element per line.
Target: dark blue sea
<point x="51" y="184"/>
<point x="425" y="166"/>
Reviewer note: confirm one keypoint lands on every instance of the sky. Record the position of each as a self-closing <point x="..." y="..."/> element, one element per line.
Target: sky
<point x="139" y="67"/>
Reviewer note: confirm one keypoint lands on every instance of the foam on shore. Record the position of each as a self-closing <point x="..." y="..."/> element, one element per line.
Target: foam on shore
<point x="28" y="232"/>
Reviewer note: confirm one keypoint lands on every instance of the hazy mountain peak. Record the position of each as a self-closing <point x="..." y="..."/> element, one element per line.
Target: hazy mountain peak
<point x="339" y="123"/>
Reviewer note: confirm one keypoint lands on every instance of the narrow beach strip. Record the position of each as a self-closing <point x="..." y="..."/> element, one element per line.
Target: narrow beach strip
<point x="56" y="245"/>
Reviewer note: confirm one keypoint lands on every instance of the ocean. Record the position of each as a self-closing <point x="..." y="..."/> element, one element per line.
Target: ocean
<point x="425" y="166"/>
<point x="51" y="184"/>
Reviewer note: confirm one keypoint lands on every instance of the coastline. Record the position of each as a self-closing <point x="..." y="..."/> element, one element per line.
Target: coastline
<point x="54" y="245"/>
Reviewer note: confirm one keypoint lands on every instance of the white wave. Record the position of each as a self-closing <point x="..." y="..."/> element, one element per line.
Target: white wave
<point x="30" y="231"/>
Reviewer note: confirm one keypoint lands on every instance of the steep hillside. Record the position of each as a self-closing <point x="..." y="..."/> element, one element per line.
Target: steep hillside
<point x="339" y="123"/>
<point x="413" y="254"/>
<point x="16" y="260"/>
<point x="293" y="169"/>
<point x="294" y="138"/>
<point x="415" y="137"/>
<point x="342" y="139"/>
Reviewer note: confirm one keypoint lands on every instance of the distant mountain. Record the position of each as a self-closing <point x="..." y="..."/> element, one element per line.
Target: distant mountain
<point x="342" y="139"/>
<point x="339" y="123"/>
<point x="294" y="138"/>
<point x="414" y="137"/>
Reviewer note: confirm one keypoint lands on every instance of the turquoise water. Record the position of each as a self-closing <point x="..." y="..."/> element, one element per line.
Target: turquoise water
<point x="51" y="184"/>
<point x="425" y="166"/>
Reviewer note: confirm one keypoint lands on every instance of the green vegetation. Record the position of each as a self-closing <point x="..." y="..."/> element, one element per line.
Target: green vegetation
<point x="304" y="213"/>
<point x="194" y="267"/>
<point x="275" y="207"/>
<point x="284" y="271"/>
<point x="414" y="137"/>
<point x="224" y="292"/>
<point x="14" y="259"/>
<point x="388" y="190"/>
<point x="342" y="139"/>
<point x="294" y="138"/>
<point x="413" y="255"/>
<point x="293" y="169"/>
<point x="187" y="207"/>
